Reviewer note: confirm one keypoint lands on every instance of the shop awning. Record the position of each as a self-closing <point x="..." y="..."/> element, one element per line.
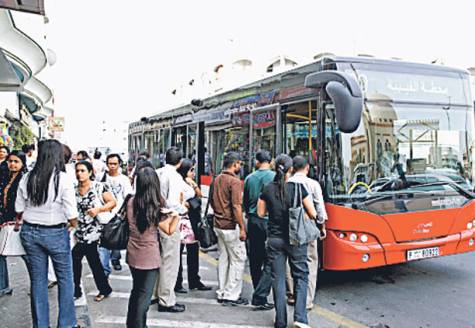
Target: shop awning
<point x="9" y="80"/>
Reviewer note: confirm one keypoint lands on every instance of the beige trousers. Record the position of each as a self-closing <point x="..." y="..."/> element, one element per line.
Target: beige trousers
<point x="232" y="258"/>
<point x="312" y="260"/>
<point x="170" y="263"/>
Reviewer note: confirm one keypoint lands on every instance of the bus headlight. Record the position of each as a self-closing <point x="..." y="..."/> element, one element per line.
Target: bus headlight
<point x="342" y="235"/>
<point x="469" y="225"/>
<point x="471" y="242"/>
<point x="364" y="238"/>
<point x="353" y="237"/>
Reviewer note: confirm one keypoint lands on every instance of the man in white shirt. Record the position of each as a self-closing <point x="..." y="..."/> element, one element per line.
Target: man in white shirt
<point x="121" y="187"/>
<point x="171" y="189"/>
<point x="301" y="169"/>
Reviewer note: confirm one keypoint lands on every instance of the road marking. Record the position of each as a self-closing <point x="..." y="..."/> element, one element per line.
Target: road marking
<point x="327" y="314"/>
<point x="174" y="323"/>
<point x="129" y="278"/>
<point x="191" y="300"/>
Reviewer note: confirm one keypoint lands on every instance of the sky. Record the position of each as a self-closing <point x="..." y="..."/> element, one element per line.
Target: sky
<point x="118" y="60"/>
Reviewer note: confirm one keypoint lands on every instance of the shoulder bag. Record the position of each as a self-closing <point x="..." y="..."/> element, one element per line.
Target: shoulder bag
<point x="206" y="235"/>
<point x="115" y="234"/>
<point x="301" y="230"/>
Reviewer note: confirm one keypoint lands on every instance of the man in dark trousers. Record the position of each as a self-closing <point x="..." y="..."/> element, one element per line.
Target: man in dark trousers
<point x="257" y="230"/>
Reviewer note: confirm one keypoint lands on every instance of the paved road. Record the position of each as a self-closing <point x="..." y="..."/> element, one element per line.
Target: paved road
<point x="430" y="293"/>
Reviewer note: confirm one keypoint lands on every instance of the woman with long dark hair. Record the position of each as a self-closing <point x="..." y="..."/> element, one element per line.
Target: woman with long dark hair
<point x="16" y="162"/>
<point x="276" y="198"/>
<point x="93" y="198"/>
<point x="192" y="196"/>
<point x="145" y="214"/>
<point x="46" y="203"/>
<point x="4" y="152"/>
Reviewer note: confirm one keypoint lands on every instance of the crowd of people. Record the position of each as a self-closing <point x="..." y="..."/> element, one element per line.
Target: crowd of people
<point x="61" y="207"/>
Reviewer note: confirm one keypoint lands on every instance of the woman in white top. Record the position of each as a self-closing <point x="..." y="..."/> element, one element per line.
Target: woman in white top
<point x="45" y="204"/>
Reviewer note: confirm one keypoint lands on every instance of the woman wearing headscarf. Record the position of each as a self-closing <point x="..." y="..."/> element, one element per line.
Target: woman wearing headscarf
<point x="45" y="204"/>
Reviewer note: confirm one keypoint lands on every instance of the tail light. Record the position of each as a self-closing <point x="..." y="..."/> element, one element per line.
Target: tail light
<point x="356" y="237"/>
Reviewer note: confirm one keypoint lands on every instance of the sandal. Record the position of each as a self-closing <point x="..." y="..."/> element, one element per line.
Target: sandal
<point x="101" y="297"/>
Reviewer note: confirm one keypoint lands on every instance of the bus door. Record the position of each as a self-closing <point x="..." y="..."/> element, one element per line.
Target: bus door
<point x="164" y="144"/>
<point x="263" y="131"/>
<point x="179" y="138"/>
<point x="191" y="141"/>
<point x="300" y="129"/>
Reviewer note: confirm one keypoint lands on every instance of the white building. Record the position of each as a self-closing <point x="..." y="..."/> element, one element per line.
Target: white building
<point x="25" y="100"/>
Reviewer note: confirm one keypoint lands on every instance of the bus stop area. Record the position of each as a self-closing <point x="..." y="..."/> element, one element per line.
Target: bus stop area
<point x="430" y="293"/>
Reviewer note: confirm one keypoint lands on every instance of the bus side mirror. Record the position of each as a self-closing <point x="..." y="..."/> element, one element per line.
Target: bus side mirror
<point x="345" y="93"/>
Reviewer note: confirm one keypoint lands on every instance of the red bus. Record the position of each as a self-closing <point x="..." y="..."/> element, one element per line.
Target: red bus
<point x="391" y="143"/>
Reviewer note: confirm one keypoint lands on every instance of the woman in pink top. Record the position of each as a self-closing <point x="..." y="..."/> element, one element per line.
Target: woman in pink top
<point x="145" y="214"/>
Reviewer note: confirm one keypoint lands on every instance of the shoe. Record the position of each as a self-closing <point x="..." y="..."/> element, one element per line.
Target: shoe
<point x="301" y="325"/>
<point x="180" y="290"/>
<point x="77" y="296"/>
<point x="263" y="307"/>
<point x="8" y="291"/>
<point x="174" y="309"/>
<point x="117" y="266"/>
<point x="290" y="300"/>
<point x="220" y="300"/>
<point x="51" y="284"/>
<point x="310" y="308"/>
<point x="100" y="297"/>
<point x="201" y="287"/>
<point x="239" y="301"/>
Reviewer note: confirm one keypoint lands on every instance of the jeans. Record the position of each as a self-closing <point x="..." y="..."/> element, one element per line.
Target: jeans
<point x="279" y="251"/>
<point x="105" y="257"/>
<point x="115" y="256"/>
<point x="4" y="284"/>
<point x="193" y="263"/>
<point x="41" y="243"/>
<point x="92" y="256"/>
<point x="259" y="266"/>
<point x="143" y="282"/>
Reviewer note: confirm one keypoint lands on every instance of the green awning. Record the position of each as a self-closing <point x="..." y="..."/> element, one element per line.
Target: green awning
<point x="9" y="80"/>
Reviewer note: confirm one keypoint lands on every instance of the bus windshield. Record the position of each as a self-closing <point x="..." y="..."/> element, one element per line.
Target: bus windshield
<point x="403" y="84"/>
<point x="402" y="149"/>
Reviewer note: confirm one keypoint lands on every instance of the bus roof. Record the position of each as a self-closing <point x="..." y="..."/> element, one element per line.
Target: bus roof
<point x="296" y="74"/>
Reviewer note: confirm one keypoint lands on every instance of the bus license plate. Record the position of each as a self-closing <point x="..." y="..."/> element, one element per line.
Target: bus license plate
<point x="423" y="253"/>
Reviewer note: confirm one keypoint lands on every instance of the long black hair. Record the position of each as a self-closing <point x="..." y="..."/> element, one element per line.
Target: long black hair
<point x="283" y="164"/>
<point x="185" y="167"/>
<point x="147" y="199"/>
<point x="50" y="162"/>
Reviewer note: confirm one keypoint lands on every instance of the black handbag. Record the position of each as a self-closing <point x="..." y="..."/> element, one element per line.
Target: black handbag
<point x="206" y="235"/>
<point x="115" y="234"/>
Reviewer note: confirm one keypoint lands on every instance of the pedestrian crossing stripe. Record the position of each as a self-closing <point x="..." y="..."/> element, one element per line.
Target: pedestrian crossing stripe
<point x="129" y="278"/>
<point x="116" y="320"/>
<point x="190" y="300"/>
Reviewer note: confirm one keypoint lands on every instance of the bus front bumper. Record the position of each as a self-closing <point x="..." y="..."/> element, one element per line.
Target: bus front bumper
<point x="346" y="255"/>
